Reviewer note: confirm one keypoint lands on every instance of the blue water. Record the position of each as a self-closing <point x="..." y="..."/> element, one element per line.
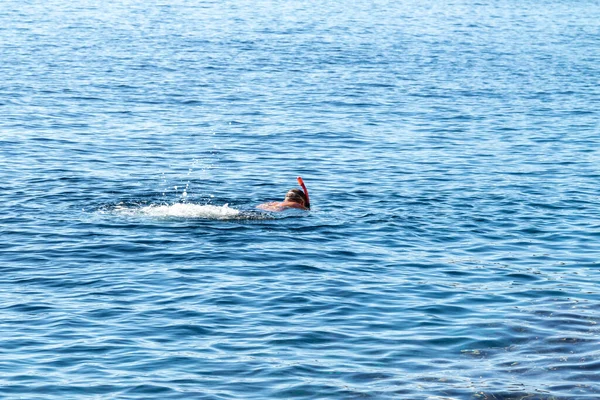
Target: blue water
<point x="451" y="150"/>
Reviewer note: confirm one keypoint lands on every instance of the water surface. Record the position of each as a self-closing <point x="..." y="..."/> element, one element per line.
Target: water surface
<point x="450" y="150"/>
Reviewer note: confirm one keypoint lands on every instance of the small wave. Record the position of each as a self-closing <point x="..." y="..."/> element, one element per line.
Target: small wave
<point x="181" y="210"/>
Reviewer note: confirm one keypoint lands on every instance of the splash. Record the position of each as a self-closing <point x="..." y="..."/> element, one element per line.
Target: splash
<point x="180" y="210"/>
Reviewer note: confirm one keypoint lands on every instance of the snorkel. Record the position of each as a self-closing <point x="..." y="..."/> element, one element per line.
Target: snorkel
<point x="301" y="183"/>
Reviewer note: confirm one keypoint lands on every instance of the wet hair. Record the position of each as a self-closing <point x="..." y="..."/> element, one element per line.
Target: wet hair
<point x="296" y="196"/>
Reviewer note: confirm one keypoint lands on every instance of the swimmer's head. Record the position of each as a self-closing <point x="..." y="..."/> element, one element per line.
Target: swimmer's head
<point x="296" y="196"/>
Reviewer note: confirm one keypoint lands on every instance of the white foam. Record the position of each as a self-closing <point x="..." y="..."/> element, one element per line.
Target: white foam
<point x="182" y="210"/>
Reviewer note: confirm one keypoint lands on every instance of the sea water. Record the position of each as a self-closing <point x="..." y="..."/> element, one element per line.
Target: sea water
<point x="451" y="151"/>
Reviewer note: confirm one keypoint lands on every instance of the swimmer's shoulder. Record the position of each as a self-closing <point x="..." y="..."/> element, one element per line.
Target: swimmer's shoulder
<point x="293" y="205"/>
<point x="275" y="206"/>
<point x="271" y="206"/>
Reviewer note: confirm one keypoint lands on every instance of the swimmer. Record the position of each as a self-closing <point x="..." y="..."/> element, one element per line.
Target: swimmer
<point x="294" y="198"/>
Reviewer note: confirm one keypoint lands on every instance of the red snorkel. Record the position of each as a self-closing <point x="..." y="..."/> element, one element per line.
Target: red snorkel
<point x="301" y="183"/>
